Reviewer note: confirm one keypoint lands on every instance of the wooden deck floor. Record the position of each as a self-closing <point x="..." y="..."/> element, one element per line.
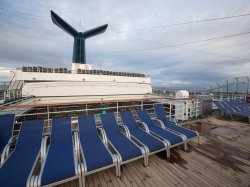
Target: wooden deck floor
<point x="222" y="159"/>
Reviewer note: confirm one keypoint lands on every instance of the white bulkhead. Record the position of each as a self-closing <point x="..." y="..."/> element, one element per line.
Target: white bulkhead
<point x="69" y="84"/>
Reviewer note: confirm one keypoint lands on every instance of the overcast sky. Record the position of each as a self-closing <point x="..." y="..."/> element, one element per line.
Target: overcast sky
<point x="136" y="39"/>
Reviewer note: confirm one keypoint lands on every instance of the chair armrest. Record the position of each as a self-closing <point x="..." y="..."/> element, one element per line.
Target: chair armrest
<point x="159" y="123"/>
<point x="125" y="131"/>
<point x="44" y="147"/>
<point x="80" y="164"/>
<point x="143" y="126"/>
<point x="13" y="139"/>
<point x="173" y="120"/>
<point x="6" y="151"/>
<point x="103" y="136"/>
<point x="35" y="178"/>
<point x="76" y="140"/>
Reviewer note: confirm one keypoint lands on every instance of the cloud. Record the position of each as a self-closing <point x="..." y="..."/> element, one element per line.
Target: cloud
<point x="5" y="74"/>
<point x="28" y="37"/>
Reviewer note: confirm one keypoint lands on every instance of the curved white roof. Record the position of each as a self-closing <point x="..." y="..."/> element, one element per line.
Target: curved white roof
<point x="182" y="94"/>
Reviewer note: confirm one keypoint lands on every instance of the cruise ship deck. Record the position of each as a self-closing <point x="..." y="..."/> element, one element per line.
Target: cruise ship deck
<point x="221" y="159"/>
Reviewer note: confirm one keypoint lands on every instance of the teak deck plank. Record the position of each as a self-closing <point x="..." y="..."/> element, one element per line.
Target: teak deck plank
<point x="166" y="174"/>
<point x="211" y="175"/>
<point x="222" y="159"/>
<point x="137" y="177"/>
<point x="192" y="173"/>
<point x="102" y="180"/>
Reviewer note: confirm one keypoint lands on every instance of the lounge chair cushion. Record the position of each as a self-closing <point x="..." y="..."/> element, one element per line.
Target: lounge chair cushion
<point x="6" y="127"/>
<point x="171" y="137"/>
<point x="59" y="164"/>
<point x="17" y="168"/>
<point x="152" y="143"/>
<point x="123" y="145"/>
<point x="160" y="114"/>
<point x="95" y="153"/>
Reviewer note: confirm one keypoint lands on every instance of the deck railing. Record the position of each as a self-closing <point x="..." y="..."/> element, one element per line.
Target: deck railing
<point x="228" y="97"/>
<point x="180" y="109"/>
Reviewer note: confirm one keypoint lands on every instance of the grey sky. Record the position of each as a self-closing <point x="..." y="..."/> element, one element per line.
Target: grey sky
<point x="28" y="37"/>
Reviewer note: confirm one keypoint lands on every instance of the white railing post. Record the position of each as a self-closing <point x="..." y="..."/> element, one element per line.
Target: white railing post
<point x="186" y="109"/>
<point x="193" y="107"/>
<point x="170" y="109"/>
<point x="86" y="109"/>
<point x="196" y="108"/>
<point x="48" y="113"/>
<point x="117" y="110"/>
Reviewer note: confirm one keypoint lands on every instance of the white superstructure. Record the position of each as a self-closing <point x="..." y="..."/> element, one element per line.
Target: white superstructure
<point x="60" y="84"/>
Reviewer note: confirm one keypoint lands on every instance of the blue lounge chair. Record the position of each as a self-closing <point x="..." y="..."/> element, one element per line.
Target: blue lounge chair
<point x="17" y="169"/>
<point x="167" y="124"/>
<point x="157" y="131"/>
<point x="6" y="138"/>
<point x="150" y="143"/>
<point x="233" y="110"/>
<point x="96" y="156"/>
<point x="60" y="163"/>
<point x="126" y="149"/>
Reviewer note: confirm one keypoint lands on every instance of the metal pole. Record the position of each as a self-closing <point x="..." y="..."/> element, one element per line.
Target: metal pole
<point x="186" y="109"/>
<point x="48" y="113"/>
<point x="4" y="92"/>
<point x="247" y="84"/>
<point x="86" y="109"/>
<point x="117" y="109"/>
<point x="192" y="108"/>
<point x="170" y="109"/>
<point x="196" y="107"/>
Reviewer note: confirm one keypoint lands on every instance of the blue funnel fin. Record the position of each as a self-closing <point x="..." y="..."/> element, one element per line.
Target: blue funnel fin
<point x="63" y="24"/>
<point x="79" y="55"/>
<point x="95" y="31"/>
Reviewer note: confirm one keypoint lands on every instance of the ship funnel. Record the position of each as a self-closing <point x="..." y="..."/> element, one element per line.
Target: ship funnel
<point x="79" y="55"/>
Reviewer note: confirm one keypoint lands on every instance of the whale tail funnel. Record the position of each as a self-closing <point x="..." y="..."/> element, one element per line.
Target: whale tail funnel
<point x="79" y="55"/>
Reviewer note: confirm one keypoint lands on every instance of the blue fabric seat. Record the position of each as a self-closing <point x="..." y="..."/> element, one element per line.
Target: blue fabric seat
<point x="6" y="128"/>
<point x="122" y="144"/>
<point x="233" y="109"/>
<point x="15" y="171"/>
<point x="95" y="153"/>
<point x="171" y="137"/>
<point x="160" y="114"/>
<point x="151" y="142"/>
<point x="59" y="164"/>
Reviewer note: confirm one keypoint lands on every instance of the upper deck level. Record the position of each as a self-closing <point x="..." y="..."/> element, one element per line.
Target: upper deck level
<point x="80" y="71"/>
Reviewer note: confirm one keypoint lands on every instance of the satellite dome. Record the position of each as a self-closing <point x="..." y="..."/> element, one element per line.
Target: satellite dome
<point x="182" y="94"/>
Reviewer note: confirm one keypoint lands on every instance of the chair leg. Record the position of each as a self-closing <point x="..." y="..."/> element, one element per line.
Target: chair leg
<point x="168" y="152"/>
<point x="145" y="160"/>
<point x="82" y="181"/>
<point x="185" y="146"/>
<point x="81" y="175"/>
<point x="118" y="170"/>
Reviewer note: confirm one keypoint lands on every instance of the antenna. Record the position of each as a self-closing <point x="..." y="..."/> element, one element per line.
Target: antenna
<point x="79" y="55"/>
